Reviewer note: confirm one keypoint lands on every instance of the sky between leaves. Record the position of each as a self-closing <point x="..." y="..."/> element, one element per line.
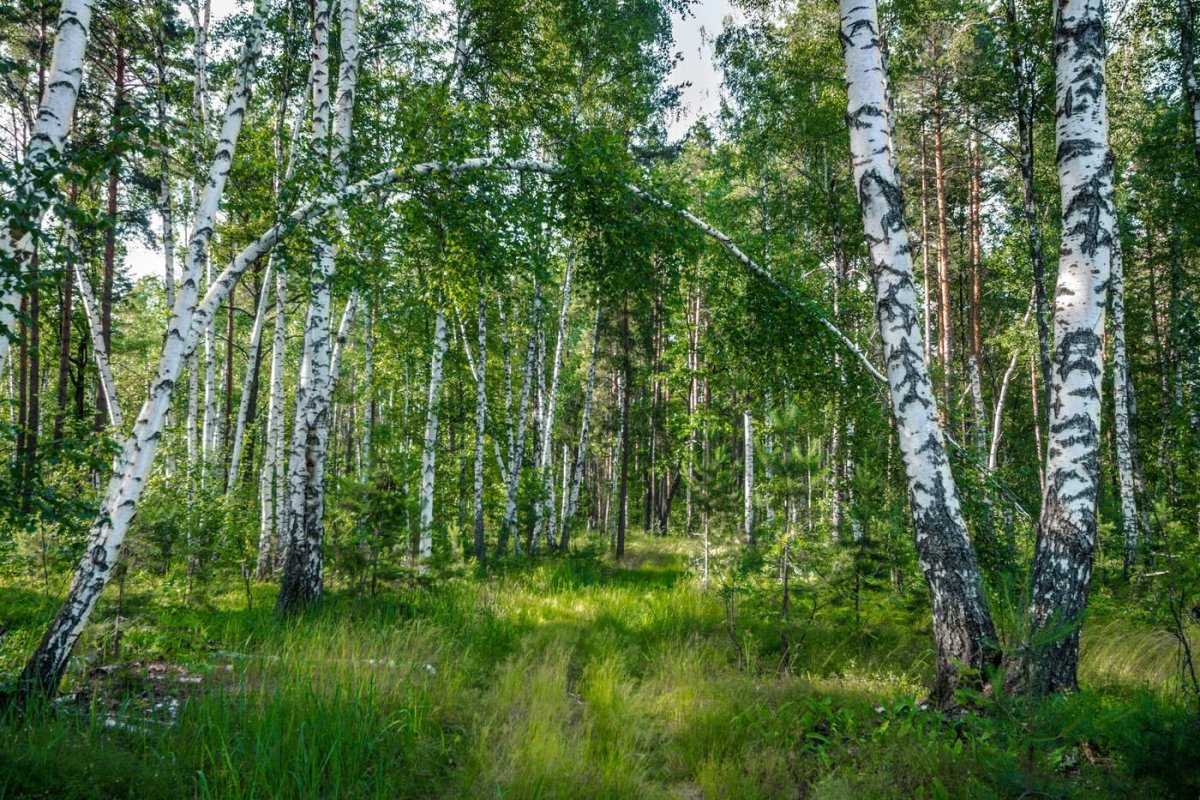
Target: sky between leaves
<point x="694" y="35"/>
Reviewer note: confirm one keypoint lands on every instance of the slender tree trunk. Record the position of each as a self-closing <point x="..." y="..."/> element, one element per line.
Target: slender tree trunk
<point x="480" y="424"/>
<point x="545" y="509"/>
<point x="581" y="450"/>
<point x="1121" y="410"/>
<point x="516" y="456"/>
<point x="271" y="482"/>
<point x="748" y="477"/>
<point x="44" y="669"/>
<point x="66" y="316"/>
<point x="975" y="304"/>
<point x="943" y="253"/>
<point x="926" y="303"/>
<point x="1062" y="562"/>
<point x="626" y="374"/>
<point x="1022" y="79"/>
<point x="429" y="451"/>
<point x="110" y="231"/>
<point x="962" y="626"/>
<point x="107" y="388"/>
<point x="1187" y="57"/>
<point x="253" y="361"/>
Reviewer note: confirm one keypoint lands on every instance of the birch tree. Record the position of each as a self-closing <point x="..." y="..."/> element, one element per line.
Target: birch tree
<point x="34" y="184"/>
<point x="1062" y="563"/>
<point x="45" y="667"/>
<point x="962" y="626"/>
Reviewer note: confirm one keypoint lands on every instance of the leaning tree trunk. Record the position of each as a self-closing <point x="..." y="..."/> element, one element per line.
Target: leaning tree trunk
<point x="108" y="388"/>
<point x="34" y="183"/>
<point x="1062" y="563"/>
<point x="44" y="669"/>
<point x="962" y="626"/>
<point x="252" y="365"/>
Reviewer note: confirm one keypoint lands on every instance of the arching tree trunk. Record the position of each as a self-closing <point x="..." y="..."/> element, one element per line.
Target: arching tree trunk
<point x="962" y="626"/>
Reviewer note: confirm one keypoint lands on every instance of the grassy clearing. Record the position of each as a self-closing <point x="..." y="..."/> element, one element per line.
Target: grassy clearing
<point x="566" y="678"/>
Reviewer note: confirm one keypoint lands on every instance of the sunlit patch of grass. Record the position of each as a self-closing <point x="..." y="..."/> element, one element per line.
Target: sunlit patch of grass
<point x="1117" y="652"/>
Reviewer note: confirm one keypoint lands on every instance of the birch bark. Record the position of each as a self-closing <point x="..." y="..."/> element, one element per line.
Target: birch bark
<point x="480" y="423"/>
<point x="1121" y="411"/>
<point x="34" y="184"/>
<point x="429" y="450"/>
<point x="303" y="573"/>
<point x="962" y="626"/>
<point x="1062" y="561"/>
<point x="748" y="477"/>
<point x="44" y="669"/>
<point x="545" y="509"/>
<point x="516" y="455"/>
<point x="581" y="450"/>
<point x="99" y="351"/>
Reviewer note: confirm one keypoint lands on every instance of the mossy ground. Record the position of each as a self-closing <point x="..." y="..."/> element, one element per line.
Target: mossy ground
<point x="571" y="677"/>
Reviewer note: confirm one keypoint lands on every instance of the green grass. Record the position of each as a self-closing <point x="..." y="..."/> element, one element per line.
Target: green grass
<point x="567" y="678"/>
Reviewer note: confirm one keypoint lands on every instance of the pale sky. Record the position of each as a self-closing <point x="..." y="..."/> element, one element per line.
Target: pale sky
<point x="693" y="39"/>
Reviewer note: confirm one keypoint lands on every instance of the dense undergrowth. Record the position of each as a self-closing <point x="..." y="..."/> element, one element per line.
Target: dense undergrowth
<point x="569" y="677"/>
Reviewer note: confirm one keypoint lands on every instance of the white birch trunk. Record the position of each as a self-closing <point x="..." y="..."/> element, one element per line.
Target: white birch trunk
<point x="962" y="626"/>
<point x="239" y="433"/>
<point x="272" y="496"/>
<point x="34" y="184"/>
<point x="1121" y="409"/>
<point x="1062" y="562"/>
<point x="99" y="352"/>
<point x="545" y="510"/>
<point x="748" y="477"/>
<point x="304" y="561"/>
<point x="368" y="415"/>
<point x="581" y="450"/>
<point x="343" y="335"/>
<point x="517" y="455"/>
<point x="107" y="534"/>
<point x="429" y="450"/>
<point x="480" y="424"/>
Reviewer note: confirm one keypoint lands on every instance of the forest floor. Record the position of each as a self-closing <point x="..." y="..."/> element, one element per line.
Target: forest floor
<point x="571" y="677"/>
